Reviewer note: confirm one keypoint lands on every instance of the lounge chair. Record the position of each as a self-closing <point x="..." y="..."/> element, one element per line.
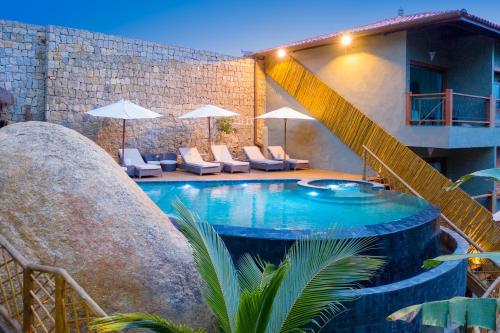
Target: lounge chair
<point x="278" y="154"/>
<point x="134" y="159"/>
<point x="222" y="154"/>
<point x="195" y="164"/>
<point x="258" y="161"/>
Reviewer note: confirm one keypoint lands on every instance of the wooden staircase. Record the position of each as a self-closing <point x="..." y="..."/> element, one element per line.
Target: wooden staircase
<point x="359" y="132"/>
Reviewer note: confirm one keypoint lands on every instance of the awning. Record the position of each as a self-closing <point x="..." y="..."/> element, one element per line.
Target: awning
<point x="6" y="97"/>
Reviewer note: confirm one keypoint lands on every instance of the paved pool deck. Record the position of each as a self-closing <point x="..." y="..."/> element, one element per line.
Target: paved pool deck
<point x="181" y="175"/>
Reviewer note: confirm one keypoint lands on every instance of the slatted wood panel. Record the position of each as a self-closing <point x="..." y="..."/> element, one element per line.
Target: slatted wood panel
<point x="355" y="129"/>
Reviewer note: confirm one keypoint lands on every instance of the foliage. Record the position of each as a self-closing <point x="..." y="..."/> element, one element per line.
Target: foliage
<point x="492" y="174"/>
<point x="141" y="320"/>
<point x="431" y="263"/>
<point x="225" y="125"/>
<point x="479" y="312"/>
<point x="301" y="294"/>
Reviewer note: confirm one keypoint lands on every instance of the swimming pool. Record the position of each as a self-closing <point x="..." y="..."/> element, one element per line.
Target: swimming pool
<point x="287" y="204"/>
<point x="265" y="217"/>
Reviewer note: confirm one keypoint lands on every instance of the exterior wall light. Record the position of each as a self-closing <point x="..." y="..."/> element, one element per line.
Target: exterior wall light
<point x="346" y="40"/>
<point x="281" y="53"/>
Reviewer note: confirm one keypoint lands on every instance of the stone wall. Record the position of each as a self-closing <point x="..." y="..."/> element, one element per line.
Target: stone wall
<point x="81" y="70"/>
<point x="260" y="101"/>
<point x="22" y="70"/>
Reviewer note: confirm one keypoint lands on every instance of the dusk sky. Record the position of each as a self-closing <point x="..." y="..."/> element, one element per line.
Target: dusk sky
<point x="224" y="26"/>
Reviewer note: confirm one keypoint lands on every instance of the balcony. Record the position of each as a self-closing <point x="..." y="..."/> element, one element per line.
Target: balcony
<point x="452" y="109"/>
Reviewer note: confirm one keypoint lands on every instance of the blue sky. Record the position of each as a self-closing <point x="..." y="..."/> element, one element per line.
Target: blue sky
<point x="221" y="25"/>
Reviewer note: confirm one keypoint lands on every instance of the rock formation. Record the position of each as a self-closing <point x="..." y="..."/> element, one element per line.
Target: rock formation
<point x="65" y="202"/>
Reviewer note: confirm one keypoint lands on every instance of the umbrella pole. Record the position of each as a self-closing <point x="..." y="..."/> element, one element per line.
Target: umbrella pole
<point x="284" y="157"/>
<point x="123" y="143"/>
<point x="209" y="133"/>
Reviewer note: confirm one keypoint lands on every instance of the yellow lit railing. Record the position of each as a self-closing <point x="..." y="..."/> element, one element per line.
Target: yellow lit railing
<point x="37" y="298"/>
<point x="482" y="273"/>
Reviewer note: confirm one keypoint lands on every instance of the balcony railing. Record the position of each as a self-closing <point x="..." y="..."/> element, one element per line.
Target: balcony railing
<point x="450" y="109"/>
<point x="497" y="113"/>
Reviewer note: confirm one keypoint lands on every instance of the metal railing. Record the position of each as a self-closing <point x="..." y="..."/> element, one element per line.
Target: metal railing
<point x="450" y="108"/>
<point x="497" y="112"/>
<point x="487" y="200"/>
<point x="482" y="274"/>
<point x="38" y="298"/>
<point x="425" y="109"/>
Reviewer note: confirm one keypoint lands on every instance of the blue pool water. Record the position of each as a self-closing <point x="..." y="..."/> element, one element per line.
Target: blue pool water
<point x="284" y="204"/>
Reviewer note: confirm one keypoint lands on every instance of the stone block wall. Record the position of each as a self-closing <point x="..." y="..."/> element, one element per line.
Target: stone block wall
<point x="22" y="70"/>
<point x="260" y="100"/>
<point x="79" y="70"/>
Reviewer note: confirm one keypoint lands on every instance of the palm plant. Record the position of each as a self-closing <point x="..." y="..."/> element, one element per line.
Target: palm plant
<point x="461" y="311"/>
<point x="492" y="174"/>
<point x="300" y="294"/>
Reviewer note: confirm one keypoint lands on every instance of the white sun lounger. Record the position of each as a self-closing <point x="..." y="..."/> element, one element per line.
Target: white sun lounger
<point x="222" y="154"/>
<point x="258" y="161"/>
<point x="195" y="164"/>
<point x="278" y="153"/>
<point x="133" y="158"/>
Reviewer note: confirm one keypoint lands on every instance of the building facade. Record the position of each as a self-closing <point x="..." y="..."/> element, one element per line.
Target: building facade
<point x="431" y="80"/>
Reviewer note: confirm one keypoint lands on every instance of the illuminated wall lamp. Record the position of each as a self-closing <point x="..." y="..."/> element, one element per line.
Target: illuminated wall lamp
<point x="281" y="53"/>
<point x="346" y="40"/>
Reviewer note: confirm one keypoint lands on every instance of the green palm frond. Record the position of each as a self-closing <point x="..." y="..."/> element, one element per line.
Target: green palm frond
<point x="479" y="312"/>
<point x="249" y="273"/>
<point x="319" y="271"/>
<point x="254" y="273"/>
<point x="220" y="287"/>
<point x="492" y="174"/>
<point x="256" y="306"/>
<point x="431" y="263"/>
<point x="153" y="323"/>
<point x="271" y="283"/>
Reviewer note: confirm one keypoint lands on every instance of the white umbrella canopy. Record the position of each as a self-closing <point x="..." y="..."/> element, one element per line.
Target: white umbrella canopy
<point x="285" y="113"/>
<point x="209" y="112"/>
<point x="124" y="110"/>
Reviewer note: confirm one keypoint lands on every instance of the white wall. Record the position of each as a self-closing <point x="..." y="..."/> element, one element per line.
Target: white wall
<point x="370" y="74"/>
<point x="307" y="139"/>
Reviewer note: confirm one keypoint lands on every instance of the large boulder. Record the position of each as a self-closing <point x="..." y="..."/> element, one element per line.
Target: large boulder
<point x="65" y="202"/>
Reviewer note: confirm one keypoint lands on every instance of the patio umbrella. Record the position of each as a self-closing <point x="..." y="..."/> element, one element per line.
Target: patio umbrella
<point x="209" y="112"/>
<point x="124" y="110"/>
<point x="285" y="113"/>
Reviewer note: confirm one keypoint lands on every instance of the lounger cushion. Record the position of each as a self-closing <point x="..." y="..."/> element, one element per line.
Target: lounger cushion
<point x="147" y="166"/>
<point x="253" y="153"/>
<point x="267" y="161"/>
<point x="132" y="156"/>
<point x="278" y="153"/>
<point x="236" y="163"/>
<point x="221" y="153"/>
<point x="191" y="155"/>
<point x="205" y="164"/>
<point x="292" y="160"/>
